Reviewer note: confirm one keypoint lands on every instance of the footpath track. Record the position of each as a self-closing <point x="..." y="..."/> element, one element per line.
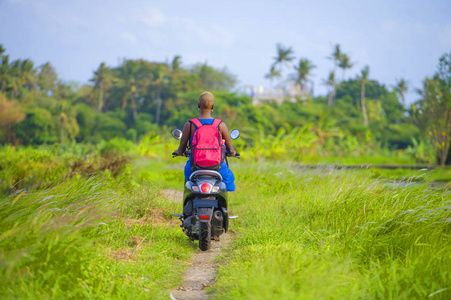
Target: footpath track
<point x="202" y="271"/>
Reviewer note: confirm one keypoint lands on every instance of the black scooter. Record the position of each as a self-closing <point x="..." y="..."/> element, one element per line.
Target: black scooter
<point x="205" y="216"/>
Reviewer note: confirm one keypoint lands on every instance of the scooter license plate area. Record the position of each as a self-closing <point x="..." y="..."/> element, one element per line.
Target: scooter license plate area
<point x="205" y="203"/>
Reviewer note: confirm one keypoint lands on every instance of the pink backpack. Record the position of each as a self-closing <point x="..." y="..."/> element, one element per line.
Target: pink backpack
<point x="207" y="147"/>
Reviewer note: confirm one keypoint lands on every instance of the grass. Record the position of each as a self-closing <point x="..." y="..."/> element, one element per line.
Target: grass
<point x="90" y="225"/>
<point x="335" y="234"/>
<point x="100" y="236"/>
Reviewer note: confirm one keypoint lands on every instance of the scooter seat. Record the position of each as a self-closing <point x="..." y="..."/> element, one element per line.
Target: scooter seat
<point x="205" y="172"/>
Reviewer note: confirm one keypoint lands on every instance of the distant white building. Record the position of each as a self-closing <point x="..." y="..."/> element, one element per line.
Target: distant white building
<point x="290" y="92"/>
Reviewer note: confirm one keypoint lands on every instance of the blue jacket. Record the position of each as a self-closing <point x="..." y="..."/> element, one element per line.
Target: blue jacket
<point x="227" y="176"/>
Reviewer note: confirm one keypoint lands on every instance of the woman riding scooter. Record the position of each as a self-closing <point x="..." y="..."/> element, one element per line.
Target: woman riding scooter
<point x="206" y="105"/>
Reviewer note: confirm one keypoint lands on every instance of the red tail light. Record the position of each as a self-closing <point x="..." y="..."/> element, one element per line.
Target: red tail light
<point x="205" y="217"/>
<point x="205" y="188"/>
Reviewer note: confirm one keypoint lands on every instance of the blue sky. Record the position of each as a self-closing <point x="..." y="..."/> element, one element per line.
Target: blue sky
<point x="395" y="38"/>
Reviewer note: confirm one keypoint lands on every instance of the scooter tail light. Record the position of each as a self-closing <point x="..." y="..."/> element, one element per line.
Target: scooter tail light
<point x="195" y="188"/>
<point x="205" y="188"/>
<point x="205" y="217"/>
<point x="215" y="189"/>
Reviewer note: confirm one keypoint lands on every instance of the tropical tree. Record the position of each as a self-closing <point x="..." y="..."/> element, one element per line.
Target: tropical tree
<point x="303" y="72"/>
<point x="10" y="114"/>
<point x="344" y="63"/>
<point x="159" y="81"/>
<point x="283" y="58"/>
<point x="68" y="121"/>
<point x="363" y="80"/>
<point x="433" y="112"/>
<point x="47" y="78"/>
<point x="5" y="73"/>
<point x="273" y="73"/>
<point x="284" y="55"/>
<point x="103" y="79"/>
<point x="214" y="79"/>
<point x="335" y="56"/>
<point x="128" y="79"/>
<point x="28" y="77"/>
<point x="176" y="63"/>
<point x="14" y="80"/>
<point x="331" y="84"/>
<point x="401" y="87"/>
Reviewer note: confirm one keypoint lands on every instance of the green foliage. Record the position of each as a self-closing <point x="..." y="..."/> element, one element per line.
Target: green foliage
<point x="78" y="225"/>
<point x="433" y="112"/>
<point x="33" y="169"/>
<point x="212" y="79"/>
<point x="37" y="128"/>
<point x="90" y="238"/>
<point x="139" y="97"/>
<point x="327" y="234"/>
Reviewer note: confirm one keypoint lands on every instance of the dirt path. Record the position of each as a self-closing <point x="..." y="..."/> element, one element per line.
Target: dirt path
<point x="202" y="272"/>
<point x="174" y="195"/>
<point x="203" y="269"/>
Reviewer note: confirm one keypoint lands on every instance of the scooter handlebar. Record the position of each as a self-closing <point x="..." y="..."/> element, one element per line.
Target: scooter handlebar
<point x="187" y="153"/>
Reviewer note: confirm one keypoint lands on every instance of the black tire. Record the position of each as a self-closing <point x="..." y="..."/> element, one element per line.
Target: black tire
<point x="205" y="236"/>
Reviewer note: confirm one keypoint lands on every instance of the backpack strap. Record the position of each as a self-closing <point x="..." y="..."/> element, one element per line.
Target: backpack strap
<point x="196" y="123"/>
<point x="216" y="123"/>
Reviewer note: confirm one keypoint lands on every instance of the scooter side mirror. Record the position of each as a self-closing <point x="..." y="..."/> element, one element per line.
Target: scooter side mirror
<point x="177" y="134"/>
<point x="234" y="134"/>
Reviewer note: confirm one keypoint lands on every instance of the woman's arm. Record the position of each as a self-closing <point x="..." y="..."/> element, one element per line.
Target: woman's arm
<point x="226" y="136"/>
<point x="184" y="140"/>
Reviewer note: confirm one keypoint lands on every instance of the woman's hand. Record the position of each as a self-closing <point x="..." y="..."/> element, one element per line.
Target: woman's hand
<point x="179" y="152"/>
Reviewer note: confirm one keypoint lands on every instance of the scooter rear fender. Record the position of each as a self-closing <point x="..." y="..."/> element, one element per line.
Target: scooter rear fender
<point x="204" y="211"/>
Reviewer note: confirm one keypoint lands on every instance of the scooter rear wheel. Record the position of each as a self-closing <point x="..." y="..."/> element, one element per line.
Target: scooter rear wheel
<point x="205" y="236"/>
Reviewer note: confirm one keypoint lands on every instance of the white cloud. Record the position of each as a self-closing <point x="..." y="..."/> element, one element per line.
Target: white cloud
<point x="445" y="36"/>
<point x="212" y="34"/>
<point x="151" y="16"/>
<point x="161" y="29"/>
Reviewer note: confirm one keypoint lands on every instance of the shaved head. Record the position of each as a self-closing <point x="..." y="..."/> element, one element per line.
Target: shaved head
<point x="206" y="100"/>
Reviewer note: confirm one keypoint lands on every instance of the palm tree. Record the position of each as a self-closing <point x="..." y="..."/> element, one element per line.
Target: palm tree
<point x="2" y="50"/>
<point x="5" y="73"/>
<point x="344" y="63"/>
<point x="303" y="72"/>
<point x="401" y="87"/>
<point x="176" y="63"/>
<point x="14" y="80"/>
<point x="363" y="80"/>
<point x="273" y="73"/>
<point x="128" y="78"/>
<point x="159" y="81"/>
<point x="331" y="83"/>
<point x="336" y="54"/>
<point x="47" y="78"/>
<point x="284" y="56"/>
<point x="103" y="79"/>
<point x="28" y="77"/>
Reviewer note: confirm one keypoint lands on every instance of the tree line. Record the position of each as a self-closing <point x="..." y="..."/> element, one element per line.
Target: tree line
<point x="137" y="97"/>
<point x="429" y="117"/>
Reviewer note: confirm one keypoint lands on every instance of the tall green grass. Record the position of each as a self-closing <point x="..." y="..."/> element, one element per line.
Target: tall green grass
<point x="102" y="233"/>
<point x="82" y="222"/>
<point x="334" y="234"/>
<point x="90" y="238"/>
